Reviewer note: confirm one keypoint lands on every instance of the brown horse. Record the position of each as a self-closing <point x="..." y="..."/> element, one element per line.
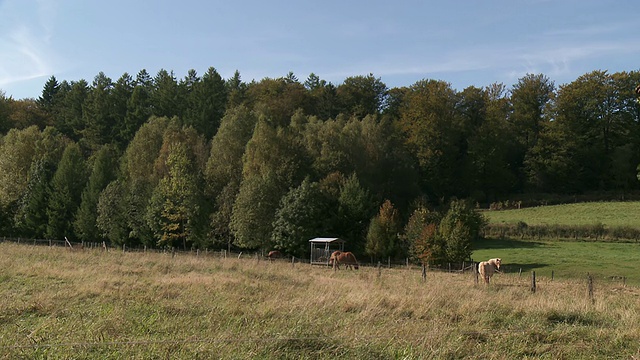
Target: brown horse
<point x="274" y="254"/>
<point x="347" y="258"/>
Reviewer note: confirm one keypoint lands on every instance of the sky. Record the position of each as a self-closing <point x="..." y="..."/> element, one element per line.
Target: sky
<point x="465" y="43"/>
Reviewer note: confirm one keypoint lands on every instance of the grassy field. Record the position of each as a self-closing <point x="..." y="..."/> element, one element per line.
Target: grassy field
<point x="59" y="304"/>
<point x="604" y="261"/>
<point x="606" y="213"/>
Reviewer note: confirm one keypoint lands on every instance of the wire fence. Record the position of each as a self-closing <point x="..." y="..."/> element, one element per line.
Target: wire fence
<point x="389" y="263"/>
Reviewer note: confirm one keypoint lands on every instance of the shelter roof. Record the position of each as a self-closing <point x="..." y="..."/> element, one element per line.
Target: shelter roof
<point x="326" y="240"/>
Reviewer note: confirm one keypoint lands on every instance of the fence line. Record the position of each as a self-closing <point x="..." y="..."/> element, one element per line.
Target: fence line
<point x="260" y="256"/>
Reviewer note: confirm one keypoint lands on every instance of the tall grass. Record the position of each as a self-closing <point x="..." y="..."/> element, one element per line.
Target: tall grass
<point x="58" y="304"/>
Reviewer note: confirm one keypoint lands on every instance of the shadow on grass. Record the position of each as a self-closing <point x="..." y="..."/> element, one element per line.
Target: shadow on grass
<point x="505" y="243"/>
<point x="514" y="268"/>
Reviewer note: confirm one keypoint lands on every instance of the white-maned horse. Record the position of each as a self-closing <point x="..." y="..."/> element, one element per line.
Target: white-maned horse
<point x="487" y="268"/>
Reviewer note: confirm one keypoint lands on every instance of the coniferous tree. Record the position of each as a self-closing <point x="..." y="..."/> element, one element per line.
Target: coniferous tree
<point x="102" y="174"/>
<point x="165" y="95"/>
<point x="207" y="102"/>
<point x="49" y="96"/>
<point x="383" y="234"/>
<point x="66" y="190"/>
<point x="112" y="221"/>
<point x="98" y="114"/>
<point x="31" y="218"/>
<point x="459" y="228"/>
<point x="69" y="116"/>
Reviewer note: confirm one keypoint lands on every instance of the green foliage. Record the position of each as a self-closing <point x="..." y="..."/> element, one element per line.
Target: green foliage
<point x="176" y="210"/>
<point x="111" y="209"/>
<point x="304" y="213"/>
<point x="354" y="212"/>
<point x="66" y="189"/>
<point x="432" y="133"/>
<point x="459" y="228"/>
<point x="102" y="173"/>
<point x="31" y="218"/>
<point x="207" y="102"/>
<point x="398" y="144"/>
<point x="17" y="151"/>
<point x="254" y="212"/>
<point x="277" y="99"/>
<point x="383" y="234"/>
<point x="421" y="233"/>
<point x="362" y="95"/>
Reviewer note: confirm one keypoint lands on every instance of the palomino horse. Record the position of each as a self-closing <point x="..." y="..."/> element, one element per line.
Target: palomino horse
<point x="487" y="268"/>
<point x="346" y="258"/>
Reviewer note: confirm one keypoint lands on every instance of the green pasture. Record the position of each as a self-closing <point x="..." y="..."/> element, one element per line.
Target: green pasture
<point x="607" y="213"/>
<point x="604" y="261"/>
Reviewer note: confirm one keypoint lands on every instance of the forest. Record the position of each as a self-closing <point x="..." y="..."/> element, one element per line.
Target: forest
<point x="206" y="162"/>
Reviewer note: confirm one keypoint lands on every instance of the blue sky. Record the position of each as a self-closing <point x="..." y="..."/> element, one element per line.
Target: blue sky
<point x="474" y="42"/>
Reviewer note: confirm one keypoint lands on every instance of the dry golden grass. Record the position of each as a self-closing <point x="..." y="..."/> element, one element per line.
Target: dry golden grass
<point x="88" y="304"/>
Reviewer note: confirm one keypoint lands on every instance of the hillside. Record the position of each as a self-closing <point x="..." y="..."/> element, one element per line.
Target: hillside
<point x="607" y="213"/>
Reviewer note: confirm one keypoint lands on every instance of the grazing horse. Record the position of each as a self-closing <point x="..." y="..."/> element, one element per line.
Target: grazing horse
<point x="274" y="254"/>
<point x="487" y="268"/>
<point x="346" y="258"/>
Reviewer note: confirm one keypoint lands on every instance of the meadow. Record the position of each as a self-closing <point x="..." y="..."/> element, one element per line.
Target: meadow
<point x="613" y="262"/>
<point x="62" y="304"/>
<point x="612" y="214"/>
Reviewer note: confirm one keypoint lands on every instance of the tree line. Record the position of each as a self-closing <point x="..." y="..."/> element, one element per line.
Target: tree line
<point x="207" y="162"/>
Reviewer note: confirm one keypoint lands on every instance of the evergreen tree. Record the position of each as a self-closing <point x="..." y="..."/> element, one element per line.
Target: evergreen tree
<point x="47" y="100"/>
<point x="207" y="102"/>
<point x="102" y="174"/>
<point x="459" y="228"/>
<point x="66" y="189"/>
<point x="383" y="234"/>
<point x="69" y="116"/>
<point x="164" y="97"/>
<point x="31" y="218"/>
<point x="112" y="220"/>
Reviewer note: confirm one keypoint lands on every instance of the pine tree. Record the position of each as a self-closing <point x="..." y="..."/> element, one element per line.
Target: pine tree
<point x="102" y="174"/>
<point x="66" y="189"/>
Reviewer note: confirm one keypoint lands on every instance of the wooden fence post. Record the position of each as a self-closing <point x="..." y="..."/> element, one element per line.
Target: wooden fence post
<point x="590" y="287"/>
<point x="424" y="272"/>
<point x="551" y="275"/>
<point x="475" y="272"/>
<point x="389" y="262"/>
<point x="533" y="281"/>
<point x="520" y="273"/>
<point x="293" y="261"/>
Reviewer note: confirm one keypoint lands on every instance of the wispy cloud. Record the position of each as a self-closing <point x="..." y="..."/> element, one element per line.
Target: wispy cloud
<point x="25" y="51"/>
